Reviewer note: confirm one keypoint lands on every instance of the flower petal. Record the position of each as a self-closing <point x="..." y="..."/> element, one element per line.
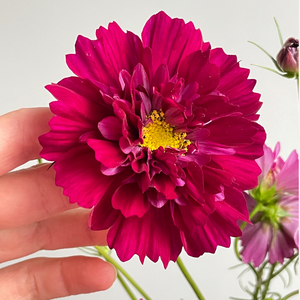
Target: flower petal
<point x="171" y="40"/>
<point x="153" y="235"/>
<point x="108" y="153"/>
<point x="253" y="235"/>
<point x="128" y="198"/>
<point x="82" y="185"/>
<point x="110" y="128"/>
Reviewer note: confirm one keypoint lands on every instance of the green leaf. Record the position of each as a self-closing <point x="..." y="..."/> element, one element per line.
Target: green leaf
<point x="279" y="32"/>
<point x="271" y="57"/>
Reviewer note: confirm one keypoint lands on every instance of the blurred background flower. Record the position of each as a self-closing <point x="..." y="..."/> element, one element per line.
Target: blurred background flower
<point x="275" y="210"/>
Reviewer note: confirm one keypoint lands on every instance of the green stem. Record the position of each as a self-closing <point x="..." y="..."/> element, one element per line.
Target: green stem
<point x="189" y="279"/>
<point x="236" y="250"/>
<point x="258" y="285"/>
<point x="126" y="287"/>
<point x="290" y="295"/>
<point x="259" y="282"/>
<point x="268" y="281"/>
<point x="103" y="253"/>
<point x="284" y="266"/>
<point x="40" y="160"/>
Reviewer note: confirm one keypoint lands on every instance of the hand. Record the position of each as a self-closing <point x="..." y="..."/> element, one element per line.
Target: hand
<point x="35" y="215"/>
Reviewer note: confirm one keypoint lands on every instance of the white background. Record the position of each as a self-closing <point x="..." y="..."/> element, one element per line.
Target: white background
<point x="35" y="35"/>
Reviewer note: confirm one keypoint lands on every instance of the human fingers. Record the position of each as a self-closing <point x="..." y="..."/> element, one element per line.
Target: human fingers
<point x="19" y="132"/>
<point x="67" y="230"/>
<point x="30" y="195"/>
<point x="48" y="278"/>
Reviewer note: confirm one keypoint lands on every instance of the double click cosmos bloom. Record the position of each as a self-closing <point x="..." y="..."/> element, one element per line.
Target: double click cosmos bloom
<point x="158" y="136"/>
<point x="275" y="206"/>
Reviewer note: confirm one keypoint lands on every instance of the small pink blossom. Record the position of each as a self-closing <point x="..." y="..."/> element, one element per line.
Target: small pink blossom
<point x="275" y="226"/>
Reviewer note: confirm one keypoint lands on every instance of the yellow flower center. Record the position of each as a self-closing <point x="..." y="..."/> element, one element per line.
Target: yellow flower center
<point x="159" y="133"/>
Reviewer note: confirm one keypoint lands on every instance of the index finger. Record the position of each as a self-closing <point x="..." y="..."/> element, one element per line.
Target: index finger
<point x="19" y="132"/>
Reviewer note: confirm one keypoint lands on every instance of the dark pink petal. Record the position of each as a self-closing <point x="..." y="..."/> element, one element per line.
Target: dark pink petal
<point x="108" y="153"/>
<point x="198" y="134"/>
<point x="174" y="116"/>
<point x="129" y="199"/>
<point x="235" y="131"/>
<point x="161" y="75"/>
<point x="197" y="68"/>
<point x="78" y="173"/>
<point x="244" y="172"/>
<point x="217" y="232"/>
<point x="163" y="184"/>
<point x="215" y="107"/>
<point x="64" y="136"/>
<point x="194" y="182"/>
<point x="188" y="217"/>
<point x="253" y="150"/>
<point x="156" y="198"/>
<point x="98" y="60"/>
<point x="248" y="105"/>
<point x="111" y="128"/>
<point x="215" y="178"/>
<point x="233" y="78"/>
<point x="210" y="148"/>
<point x="82" y="109"/>
<point x="171" y="40"/>
<point x="103" y="215"/>
<point x="235" y="204"/>
<point x="153" y="235"/>
<point x="140" y="79"/>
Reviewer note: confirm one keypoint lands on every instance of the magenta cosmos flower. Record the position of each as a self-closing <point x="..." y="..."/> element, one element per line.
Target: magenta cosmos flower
<point x="158" y="136"/>
<point x="275" y="229"/>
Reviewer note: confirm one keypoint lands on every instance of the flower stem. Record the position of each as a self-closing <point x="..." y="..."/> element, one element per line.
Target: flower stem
<point x="126" y="287"/>
<point x="268" y="281"/>
<point x="283" y="267"/>
<point x="104" y="253"/>
<point x="236" y="250"/>
<point x="290" y="295"/>
<point x="189" y="279"/>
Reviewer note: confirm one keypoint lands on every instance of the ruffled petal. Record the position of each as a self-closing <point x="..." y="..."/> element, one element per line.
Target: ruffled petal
<point x="197" y="68"/>
<point x="110" y="128"/>
<point x="82" y="185"/>
<point x="98" y="60"/>
<point x="281" y="247"/>
<point x="288" y="179"/>
<point x="219" y="227"/>
<point x="153" y="235"/>
<point x="254" y="235"/>
<point x="235" y="131"/>
<point x="171" y="40"/>
<point x="108" y="153"/>
<point x="129" y="199"/>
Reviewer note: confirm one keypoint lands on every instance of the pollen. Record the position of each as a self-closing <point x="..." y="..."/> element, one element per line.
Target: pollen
<point x="158" y="133"/>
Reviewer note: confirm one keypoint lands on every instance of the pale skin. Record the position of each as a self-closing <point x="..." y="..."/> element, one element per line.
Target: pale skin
<point x="35" y="215"/>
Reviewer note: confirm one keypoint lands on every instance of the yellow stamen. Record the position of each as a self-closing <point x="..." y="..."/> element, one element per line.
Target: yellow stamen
<point x="159" y="133"/>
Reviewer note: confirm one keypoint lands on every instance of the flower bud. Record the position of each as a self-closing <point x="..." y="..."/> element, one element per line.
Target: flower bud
<point x="287" y="57"/>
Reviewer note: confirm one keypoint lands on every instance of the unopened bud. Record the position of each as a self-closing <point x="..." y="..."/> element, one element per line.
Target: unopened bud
<point x="288" y="56"/>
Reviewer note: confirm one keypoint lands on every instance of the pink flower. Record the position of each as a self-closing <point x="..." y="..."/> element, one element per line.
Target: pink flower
<point x="158" y="136"/>
<point x="275" y="226"/>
